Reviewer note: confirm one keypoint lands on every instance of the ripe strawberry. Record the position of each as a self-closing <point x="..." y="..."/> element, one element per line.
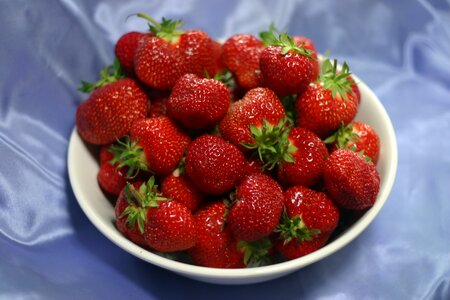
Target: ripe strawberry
<point x="125" y="50"/>
<point x="158" y="107"/>
<point x="112" y="107"/>
<point x="126" y="211"/>
<point x="111" y="178"/>
<point x="254" y="166"/>
<point x="216" y="247"/>
<point x="156" y="145"/>
<point x="257" y="209"/>
<point x="104" y="154"/>
<point x="308" y="44"/>
<point x="180" y="188"/>
<point x="350" y="180"/>
<point x="309" y="154"/>
<point x="244" y="120"/>
<point x="198" y="103"/>
<point x="325" y="105"/>
<point x="170" y="227"/>
<point x="359" y="137"/>
<point x="240" y="55"/>
<point x="286" y="68"/>
<point x="294" y="248"/>
<point x="214" y="165"/>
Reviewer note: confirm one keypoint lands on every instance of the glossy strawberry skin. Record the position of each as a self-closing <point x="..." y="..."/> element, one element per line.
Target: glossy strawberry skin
<point x="198" y="103"/>
<point x="308" y="44"/>
<point x="199" y="53"/>
<point x="369" y="141"/>
<point x="181" y="189"/>
<point x="132" y="233"/>
<point x="163" y="143"/>
<point x="240" y="55"/>
<point x="316" y="210"/>
<point x="319" y="112"/>
<point x="351" y="182"/>
<point x="214" y="165"/>
<point x="285" y="74"/>
<point x="258" y="208"/>
<point x="170" y="227"/>
<point x="125" y="50"/>
<point x="158" y="63"/>
<point x="257" y="104"/>
<point x="295" y="249"/>
<point x="111" y="178"/>
<point x="309" y="159"/>
<point x="216" y="247"/>
<point x="110" y="110"/>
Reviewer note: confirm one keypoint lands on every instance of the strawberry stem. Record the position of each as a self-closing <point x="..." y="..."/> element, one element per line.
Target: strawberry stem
<point x="256" y="253"/>
<point x="109" y="74"/>
<point x="295" y="228"/>
<point x="334" y="80"/>
<point x="129" y="153"/>
<point x="343" y="136"/>
<point x="167" y="29"/>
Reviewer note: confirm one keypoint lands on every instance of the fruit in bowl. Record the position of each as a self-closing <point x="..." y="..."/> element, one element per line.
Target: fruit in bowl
<point x="233" y="163"/>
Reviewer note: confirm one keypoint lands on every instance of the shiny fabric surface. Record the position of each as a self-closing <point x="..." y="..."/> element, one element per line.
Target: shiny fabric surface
<point x="49" y="249"/>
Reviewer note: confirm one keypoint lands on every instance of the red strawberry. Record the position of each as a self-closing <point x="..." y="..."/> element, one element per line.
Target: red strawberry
<point x="325" y="105"/>
<point x="111" y="178"/>
<point x="125" y="49"/>
<point x="240" y="55"/>
<point x="245" y="117"/>
<point x="214" y="165"/>
<point x="359" y="137"/>
<point x="308" y="44"/>
<point x="111" y="108"/>
<point x="286" y="67"/>
<point x="104" y="154"/>
<point x="180" y="188"/>
<point x="355" y="89"/>
<point x="199" y="53"/>
<point x="215" y="247"/>
<point x="257" y="209"/>
<point x="126" y="210"/>
<point x="198" y="103"/>
<point x="295" y="248"/>
<point x="156" y="145"/>
<point x="158" y="107"/>
<point x="350" y="180"/>
<point x="308" y="159"/>
<point x="254" y="166"/>
<point x="170" y="227"/>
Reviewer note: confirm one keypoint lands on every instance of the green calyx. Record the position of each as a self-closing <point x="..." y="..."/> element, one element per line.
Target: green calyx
<point x="109" y="74"/>
<point x="167" y="29"/>
<point x="285" y="41"/>
<point x="334" y="80"/>
<point x="256" y="253"/>
<point x="272" y="143"/>
<point x="226" y="78"/>
<point x="139" y="200"/>
<point x="295" y="228"/>
<point x="342" y="137"/>
<point x="129" y="154"/>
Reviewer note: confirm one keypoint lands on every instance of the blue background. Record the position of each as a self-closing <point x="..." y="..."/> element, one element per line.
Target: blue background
<point x="49" y="249"/>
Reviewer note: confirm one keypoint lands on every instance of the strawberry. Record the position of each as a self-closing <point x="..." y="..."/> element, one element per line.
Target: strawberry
<point x="170" y="227"/>
<point x="158" y="107"/>
<point x="111" y="178"/>
<point x="112" y="107"/>
<point x="327" y="103"/>
<point x="214" y="165"/>
<point x="351" y="181"/>
<point x="198" y="103"/>
<point x="125" y="49"/>
<point x="180" y="188"/>
<point x="252" y="117"/>
<point x="359" y="137"/>
<point x="155" y="145"/>
<point x="286" y="68"/>
<point x="240" y="55"/>
<point x="216" y="247"/>
<point x="308" y="44"/>
<point x="253" y="166"/>
<point x="294" y="248"/>
<point x="309" y="154"/>
<point x="257" y="208"/>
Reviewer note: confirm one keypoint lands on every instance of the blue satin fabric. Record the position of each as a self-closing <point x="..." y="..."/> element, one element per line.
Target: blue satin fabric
<point x="49" y="249"/>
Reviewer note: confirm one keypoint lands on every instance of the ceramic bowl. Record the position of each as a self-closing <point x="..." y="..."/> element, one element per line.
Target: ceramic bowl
<point x="83" y="167"/>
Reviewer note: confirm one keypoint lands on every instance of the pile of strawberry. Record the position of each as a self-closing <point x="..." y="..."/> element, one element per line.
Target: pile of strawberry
<point x="237" y="154"/>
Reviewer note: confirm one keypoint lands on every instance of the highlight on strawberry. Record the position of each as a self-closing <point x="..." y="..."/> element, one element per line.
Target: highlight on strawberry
<point x="257" y="153"/>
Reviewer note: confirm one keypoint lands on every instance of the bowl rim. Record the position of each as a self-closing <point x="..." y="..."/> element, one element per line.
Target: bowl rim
<point x="217" y="273"/>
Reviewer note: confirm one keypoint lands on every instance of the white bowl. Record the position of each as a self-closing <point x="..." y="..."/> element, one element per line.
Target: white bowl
<point x="83" y="169"/>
